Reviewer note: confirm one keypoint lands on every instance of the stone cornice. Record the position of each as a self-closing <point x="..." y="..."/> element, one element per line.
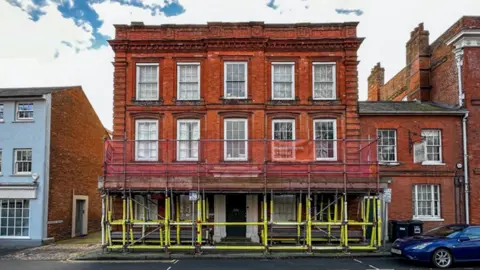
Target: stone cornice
<point x="235" y="44"/>
<point x="466" y="38"/>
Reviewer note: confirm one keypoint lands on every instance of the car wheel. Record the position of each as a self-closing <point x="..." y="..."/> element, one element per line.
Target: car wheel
<point x="442" y="258"/>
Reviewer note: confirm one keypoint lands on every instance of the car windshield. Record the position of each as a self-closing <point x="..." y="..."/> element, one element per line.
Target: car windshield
<point x="445" y="231"/>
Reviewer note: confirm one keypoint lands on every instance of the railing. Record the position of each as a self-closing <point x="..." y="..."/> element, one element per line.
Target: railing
<point x="247" y="157"/>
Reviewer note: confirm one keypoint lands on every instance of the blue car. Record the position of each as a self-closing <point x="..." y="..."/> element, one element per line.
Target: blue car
<point x="441" y="246"/>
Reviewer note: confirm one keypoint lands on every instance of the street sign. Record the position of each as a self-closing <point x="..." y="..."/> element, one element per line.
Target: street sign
<point x="193" y="196"/>
<point x="387" y="195"/>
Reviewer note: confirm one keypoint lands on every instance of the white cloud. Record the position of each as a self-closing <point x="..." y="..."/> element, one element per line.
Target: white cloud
<point x="27" y="57"/>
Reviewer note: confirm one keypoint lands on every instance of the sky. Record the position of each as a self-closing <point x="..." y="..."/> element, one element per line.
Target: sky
<point x="64" y="42"/>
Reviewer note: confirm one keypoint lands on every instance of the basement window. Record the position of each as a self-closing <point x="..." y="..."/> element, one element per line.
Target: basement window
<point x="14" y="218"/>
<point x="147" y="81"/>
<point x="324" y="85"/>
<point x="188" y="135"/>
<point x="188" y="81"/>
<point x="325" y="134"/>
<point x="23" y="161"/>
<point x="426" y="201"/>
<point x="235" y="75"/>
<point x="283" y="80"/>
<point x="24" y="111"/>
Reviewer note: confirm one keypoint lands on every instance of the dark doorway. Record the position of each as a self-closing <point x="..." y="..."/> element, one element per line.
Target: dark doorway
<point x="80" y="214"/>
<point x="236" y="207"/>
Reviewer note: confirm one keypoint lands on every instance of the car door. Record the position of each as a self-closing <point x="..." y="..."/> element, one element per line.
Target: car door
<point x="468" y="250"/>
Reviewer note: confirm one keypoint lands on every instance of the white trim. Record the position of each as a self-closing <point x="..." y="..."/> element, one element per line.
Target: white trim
<point x="15" y="172"/>
<point x="74" y="214"/>
<point x="137" y="122"/>
<point x="245" y="63"/>
<point x="18" y="192"/>
<point x="252" y="216"/>
<point x="394" y="161"/>
<point x="334" y="139"/>
<point x="433" y="162"/>
<point x="293" y="79"/>
<point x="225" y="139"/>
<point x="138" y="65"/>
<point x="465" y="35"/>
<point x="292" y="121"/>
<point x="46" y="181"/>
<point x="334" y="75"/>
<point x="29" y="219"/>
<point x="219" y="231"/>
<point x="178" y="78"/>
<point x="178" y="139"/>
<point x="433" y="189"/>
<point x="428" y="219"/>
<point x="29" y="119"/>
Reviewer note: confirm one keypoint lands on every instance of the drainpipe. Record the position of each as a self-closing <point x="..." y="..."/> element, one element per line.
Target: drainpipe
<point x="465" y="168"/>
<point x="459" y="58"/>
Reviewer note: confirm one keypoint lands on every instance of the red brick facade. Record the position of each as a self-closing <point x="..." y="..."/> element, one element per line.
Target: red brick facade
<point x="77" y="137"/>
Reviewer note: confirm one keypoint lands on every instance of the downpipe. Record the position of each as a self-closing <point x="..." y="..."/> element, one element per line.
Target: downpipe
<point x="465" y="168"/>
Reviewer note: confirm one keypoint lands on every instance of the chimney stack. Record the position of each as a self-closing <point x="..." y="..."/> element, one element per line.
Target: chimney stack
<point x="418" y="63"/>
<point x="375" y="82"/>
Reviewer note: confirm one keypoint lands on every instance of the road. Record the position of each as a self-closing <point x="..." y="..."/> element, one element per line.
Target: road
<point x="204" y="264"/>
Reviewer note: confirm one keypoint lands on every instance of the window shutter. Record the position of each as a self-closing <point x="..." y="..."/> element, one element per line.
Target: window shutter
<point x="419" y="152"/>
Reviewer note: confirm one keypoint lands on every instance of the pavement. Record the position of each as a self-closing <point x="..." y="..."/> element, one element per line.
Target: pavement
<point x="380" y="263"/>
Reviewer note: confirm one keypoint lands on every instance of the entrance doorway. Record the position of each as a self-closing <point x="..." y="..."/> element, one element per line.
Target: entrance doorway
<point x="236" y="208"/>
<point x="80" y="215"/>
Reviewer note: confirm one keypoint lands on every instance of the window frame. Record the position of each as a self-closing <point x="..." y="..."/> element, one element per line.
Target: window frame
<point x="395" y="146"/>
<point x="178" y="139"/>
<point x="433" y="188"/>
<point x="2" y="113"/>
<point x="15" y="170"/>
<point x="335" y="148"/>
<point x="1" y="161"/>
<point x="179" y="64"/>
<point x="273" y="82"/>
<point x="225" y="139"/>
<point x="137" y="81"/>
<point x="334" y="74"/>
<point x="292" y="121"/>
<point x="245" y="63"/>
<point x="137" y="122"/>
<point x="14" y="226"/>
<point x="433" y="162"/>
<point x="24" y="119"/>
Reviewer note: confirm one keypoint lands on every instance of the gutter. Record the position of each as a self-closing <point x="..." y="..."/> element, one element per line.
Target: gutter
<point x="413" y="113"/>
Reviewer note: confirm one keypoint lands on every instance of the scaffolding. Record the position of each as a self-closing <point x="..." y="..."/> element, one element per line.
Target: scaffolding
<point x="322" y="219"/>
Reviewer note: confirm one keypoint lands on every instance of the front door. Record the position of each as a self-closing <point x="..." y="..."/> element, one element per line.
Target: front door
<point x="236" y="207"/>
<point x="80" y="213"/>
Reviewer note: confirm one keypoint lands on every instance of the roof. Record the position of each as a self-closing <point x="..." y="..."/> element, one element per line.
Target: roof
<point x="406" y="107"/>
<point x="31" y="91"/>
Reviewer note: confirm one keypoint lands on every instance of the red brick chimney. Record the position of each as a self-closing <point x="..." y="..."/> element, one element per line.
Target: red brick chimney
<point x="375" y="82"/>
<point x="418" y="64"/>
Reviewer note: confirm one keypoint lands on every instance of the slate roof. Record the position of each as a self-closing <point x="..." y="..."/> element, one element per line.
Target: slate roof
<point x="406" y="107"/>
<point x="31" y="91"/>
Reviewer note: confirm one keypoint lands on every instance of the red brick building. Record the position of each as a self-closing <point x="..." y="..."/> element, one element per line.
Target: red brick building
<point x="443" y="73"/>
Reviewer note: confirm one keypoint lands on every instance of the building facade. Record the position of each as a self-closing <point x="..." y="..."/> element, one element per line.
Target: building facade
<point x="42" y="159"/>
<point x="444" y="72"/>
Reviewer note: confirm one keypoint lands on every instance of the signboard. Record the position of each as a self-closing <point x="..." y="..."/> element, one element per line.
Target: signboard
<point x="55" y="222"/>
<point x="193" y="196"/>
<point x="387" y="195"/>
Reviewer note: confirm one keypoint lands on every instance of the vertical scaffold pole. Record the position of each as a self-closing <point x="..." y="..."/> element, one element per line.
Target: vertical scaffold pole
<point x="299" y="216"/>
<point x="124" y="208"/>
<point x="265" y="222"/>
<point x="130" y="217"/>
<point x="329" y="219"/>
<point x="271" y="215"/>
<point x="165" y="221"/>
<point x="199" y="222"/>
<point x="177" y="218"/>
<point x="103" y="219"/>
<point x="309" y="223"/>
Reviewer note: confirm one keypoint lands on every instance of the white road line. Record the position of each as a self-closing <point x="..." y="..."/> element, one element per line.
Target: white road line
<point x="175" y="261"/>
<point x="169" y="268"/>
<point x="374" y="267"/>
<point x="357" y="261"/>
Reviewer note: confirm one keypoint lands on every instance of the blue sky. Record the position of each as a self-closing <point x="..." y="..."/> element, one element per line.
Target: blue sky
<point x="63" y="42"/>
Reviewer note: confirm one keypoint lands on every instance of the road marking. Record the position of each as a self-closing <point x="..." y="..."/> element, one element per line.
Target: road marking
<point x="169" y="268"/>
<point x="374" y="267"/>
<point x="175" y="261"/>
<point x="119" y="261"/>
<point x="357" y="261"/>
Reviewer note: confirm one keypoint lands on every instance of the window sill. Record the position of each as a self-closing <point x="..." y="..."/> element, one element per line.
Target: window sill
<point x="16" y="237"/>
<point x="393" y="163"/>
<point x="428" y="219"/>
<point x="21" y="175"/>
<point x="427" y="163"/>
<point x="23" y="121"/>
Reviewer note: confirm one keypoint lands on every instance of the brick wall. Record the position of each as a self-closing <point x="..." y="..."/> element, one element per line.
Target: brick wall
<point x="76" y="158"/>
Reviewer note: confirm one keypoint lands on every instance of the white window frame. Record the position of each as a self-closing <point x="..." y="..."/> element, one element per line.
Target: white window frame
<point x="288" y="204"/>
<point x="17" y="111"/>
<point x="292" y="121"/>
<point x="273" y="82"/>
<point x="15" y="170"/>
<point x="179" y="64"/>
<point x="378" y="145"/>
<point x="433" y="217"/>
<point x="334" y="158"/>
<point x="225" y="139"/>
<point x="137" y="122"/>
<point x="137" y="92"/>
<point x="433" y="162"/>
<point x="14" y="226"/>
<point x="334" y="75"/>
<point x="178" y="139"/>
<point x="225" y="79"/>
<point x="2" y="113"/>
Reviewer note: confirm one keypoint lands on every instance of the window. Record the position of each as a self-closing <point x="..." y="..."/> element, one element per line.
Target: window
<point x="1" y="113"/>
<point x="325" y="134"/>
<point x="14" y="218"/>
<point x="283" y="80"/>
<point x="283" y="139"/>
<point x="426" y="201"/>
<point x="235" y="74"/>
<point x="188" y="134"/>
<point x="23" y="161"/>
<point x="0" y="161"/>
<point x="429" y="151"/>
<point x="324" y="86"/>
<point x="284" y="208"/>
<point x="147" y="82"/>
<point x="387" y="145"/>
<point x="145" y="206"/>
<point x="472" y="233"/>
<point x="24" y="111"/>
<point x="235" y="139"/>
<point x="186" y="208"/>
<point x="146" y="137"/>
<point x="188" y="77"/>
